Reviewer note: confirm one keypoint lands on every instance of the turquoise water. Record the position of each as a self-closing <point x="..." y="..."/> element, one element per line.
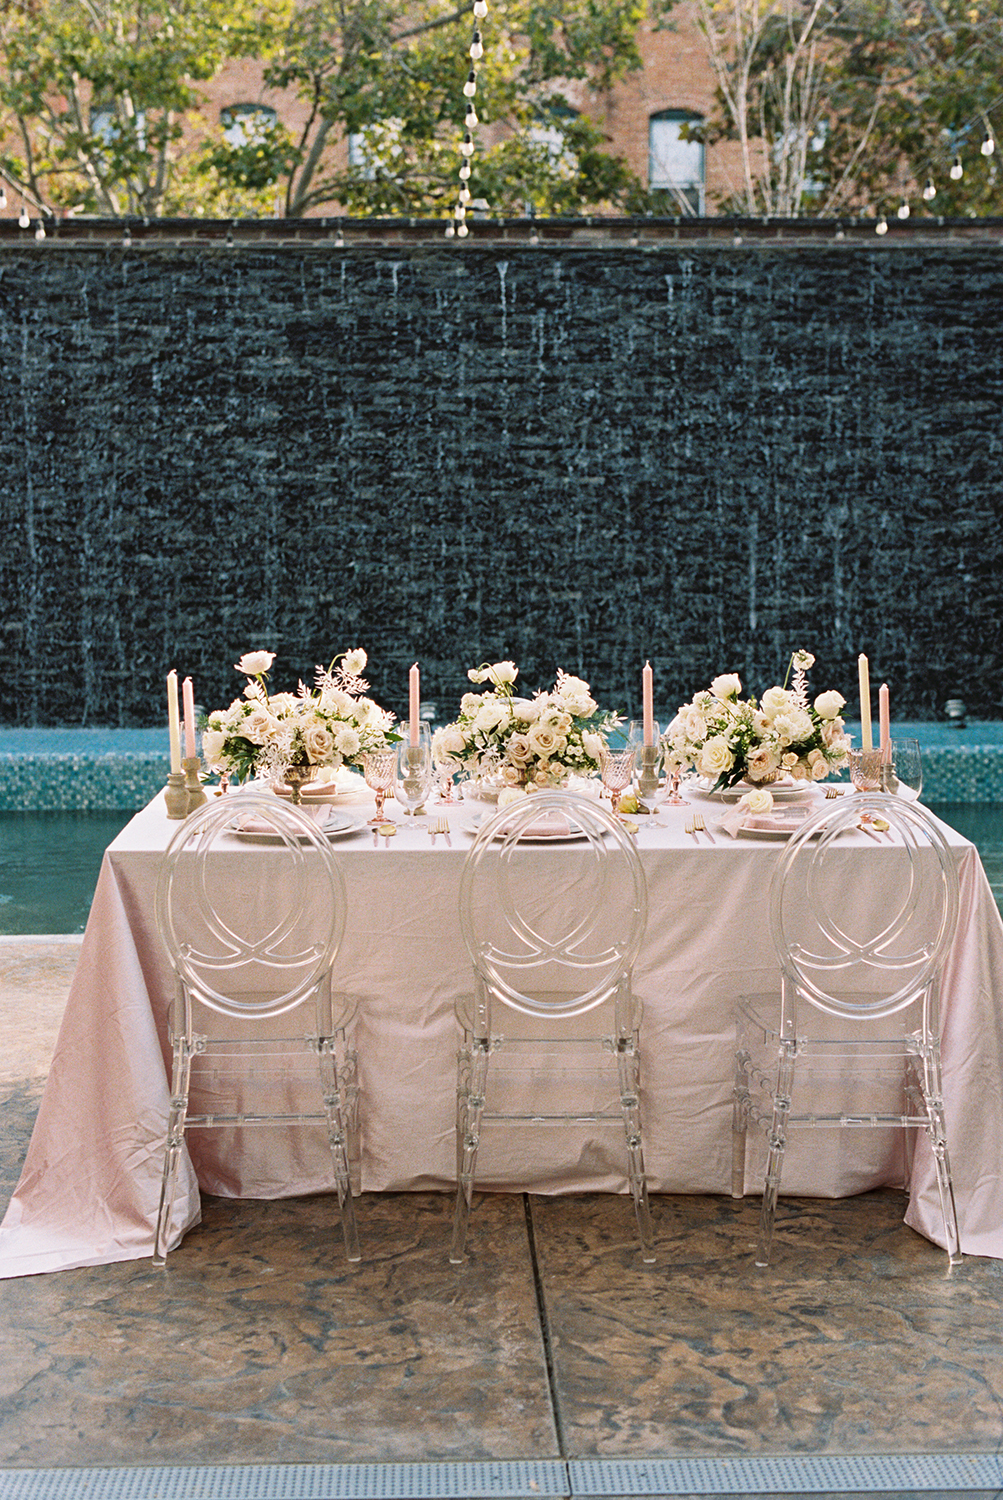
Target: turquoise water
<point x="49" y="861"/>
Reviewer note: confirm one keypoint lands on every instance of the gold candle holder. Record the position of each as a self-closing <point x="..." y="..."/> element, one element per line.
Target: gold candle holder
<point x="176" y="796"/>
<point x="193" y="786"/>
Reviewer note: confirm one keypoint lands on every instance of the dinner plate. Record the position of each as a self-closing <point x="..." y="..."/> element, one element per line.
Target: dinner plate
<point x="572" y="835"/>
<point x="335" y="827"/>
<point x="785" y="791"/>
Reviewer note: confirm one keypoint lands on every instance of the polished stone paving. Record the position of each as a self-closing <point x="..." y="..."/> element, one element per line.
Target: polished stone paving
<point x="260" y="1345"/>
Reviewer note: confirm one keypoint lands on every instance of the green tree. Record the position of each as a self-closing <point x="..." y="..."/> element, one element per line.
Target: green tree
<point x="95" y="96"/>
<point x="844" y="105"/>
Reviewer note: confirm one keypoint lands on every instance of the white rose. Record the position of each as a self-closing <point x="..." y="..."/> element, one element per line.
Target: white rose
<point x="512" y="775"/>
<point x="800" y="772"/>
<point x="526" y="710"/>
<point x="503" y="672"/>
<point x="580" y="705"/>
<point x="774" y="701"/>
<point x="475" y="674"/>
<point x="213" y="741"/>
<point x="728" y="685"/>
<point x="573" y="687"/>
<point x="715" y="757"/>
<point x="283" y="703"/>
<point x="355" y="661"/>
<point x="450" y="740"/>
<point x="258" y="726"/>
<point x="518" y="748"/>
<point x="509" y="794"/>
<point x="470" y="703"/>
<point x="759" y="801"/>
<point x="763" y="761"/>
<point x="828" y="705"/>
<point x="803" y="661"/>
<point x="338" y="702"/>
<point x="253" y="662"/>
<point x="347" y="741"/>
<point x="545" y="741"/>
<point x="819" y="769"/>
<point x="318" y="743"/>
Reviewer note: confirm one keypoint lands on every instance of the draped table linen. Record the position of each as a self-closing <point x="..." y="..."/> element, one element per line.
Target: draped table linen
<point x="90" y="1184"/>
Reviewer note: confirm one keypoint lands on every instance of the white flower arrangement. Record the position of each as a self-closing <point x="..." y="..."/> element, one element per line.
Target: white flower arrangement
<point x="332" y="724"/>
<point x="524" y="742"/>
<point x="729" y="739"/>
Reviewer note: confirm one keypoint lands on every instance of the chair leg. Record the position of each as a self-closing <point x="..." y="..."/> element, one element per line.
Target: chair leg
<point x="937" y="1130"/>
<point x="472" y="1076"/>
<point x="336" y="1109"/>
<point x="739" y="1123"/>
<point x="778" y="1144"/>
<point x="180" y="1085"/>
<point x="629" y="1071"/>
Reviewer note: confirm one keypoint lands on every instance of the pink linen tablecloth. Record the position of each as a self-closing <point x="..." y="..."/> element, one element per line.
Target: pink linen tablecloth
<point x="90" y="1184"/>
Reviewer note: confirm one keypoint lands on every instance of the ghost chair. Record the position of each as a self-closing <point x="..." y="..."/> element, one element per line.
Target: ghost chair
<point x="552" y="907"/>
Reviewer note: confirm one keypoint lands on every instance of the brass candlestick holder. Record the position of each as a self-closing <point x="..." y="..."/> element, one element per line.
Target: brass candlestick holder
<point x="193" y="786"/>
<point x="176" y="796"/>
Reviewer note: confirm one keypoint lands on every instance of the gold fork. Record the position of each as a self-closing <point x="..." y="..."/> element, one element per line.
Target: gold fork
<point x="831" y="792"/>
<point x="440" y="825"/>
<point x="699" y="826"/>
<point x="690" y="827"/>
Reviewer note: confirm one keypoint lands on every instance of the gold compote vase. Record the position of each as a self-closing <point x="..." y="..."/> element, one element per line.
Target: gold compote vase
<point x="296" y="777"/>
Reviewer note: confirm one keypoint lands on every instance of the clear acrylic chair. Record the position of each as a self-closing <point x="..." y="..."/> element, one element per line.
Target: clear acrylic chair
<point x="853" y="1039"/>
<point x="553" y="905"/>
<point x="251" y="909"/>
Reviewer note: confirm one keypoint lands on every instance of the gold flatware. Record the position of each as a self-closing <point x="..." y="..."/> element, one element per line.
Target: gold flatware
<point x="831" y="792"/>
<point x="699" y="826"/>
<point x="440" y="825"/>
<point x="689" y="827"/>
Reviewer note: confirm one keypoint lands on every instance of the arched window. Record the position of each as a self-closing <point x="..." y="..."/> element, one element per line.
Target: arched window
<point x="675" y="164"/>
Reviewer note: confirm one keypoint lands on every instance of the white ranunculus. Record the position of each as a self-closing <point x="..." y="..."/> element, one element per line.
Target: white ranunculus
<point x="336" y="701"/>
<point x="475" y="674"/>
<point x="470" y="703"/>
<point x="503" y="672"/>
<point x="318" y="743"/>
<point x="490" y="715"/>
<point x="728" y="685"/>
<point x="776" y="700"/>
<point x="828" y="705"/>
<point x="758" y="802"/>
<point x="803" y="661"/>
<point x="355" y="661"/>
<point x="526" y="710"/>
<point x="283" y="703"/>
<point x="692" y="723"/>
<point x="450" y="740"/>
<point x="592" y="745"/>
<point x="715" y="758"/>
<point x="347" y="741"/>
<point x="580" y="704"/>
<point x="253" y="662"/>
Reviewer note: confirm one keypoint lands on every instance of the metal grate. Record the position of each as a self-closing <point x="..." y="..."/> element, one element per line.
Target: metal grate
<point x="891" y="1473"/>
<point x="405" y="1481"/>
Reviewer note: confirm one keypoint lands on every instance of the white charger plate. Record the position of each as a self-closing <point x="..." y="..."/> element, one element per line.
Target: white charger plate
<point x="335" y="827"/>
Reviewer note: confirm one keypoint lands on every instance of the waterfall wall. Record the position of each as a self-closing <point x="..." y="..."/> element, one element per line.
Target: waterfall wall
<point x="574" y="457"/>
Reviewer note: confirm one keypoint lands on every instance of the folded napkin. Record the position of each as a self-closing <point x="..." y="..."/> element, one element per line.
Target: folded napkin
<point x="547" y="827"/>
<point x="779" y="820"/>
<point x="252" y="824"/>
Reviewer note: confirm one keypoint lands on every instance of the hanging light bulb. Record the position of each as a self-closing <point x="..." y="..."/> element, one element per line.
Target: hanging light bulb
<point x="467" y="145"/>
<point x="465" y="172"/>
<point x="22" y="217"/>
<point x="929" y="192"/>
<point x="3" y="198"/>
<point x="470" y="87"/>
<point x="460" y="212"/>
<point x="450" y="230"/>
<point x="40" y="231"/>
<point x="988" y="144"/>
<point x="957" y="170"/>
<point x="476" y="47"/>
<point x="480" y="9"/>
<point x="464" y="195"/>
<point x="881" y="227"/>
<point x="903" y="209"/>
<point x="470" y="118"/>
<point x="462" y="231"/>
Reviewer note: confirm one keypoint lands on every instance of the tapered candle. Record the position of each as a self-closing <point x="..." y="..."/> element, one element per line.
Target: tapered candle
<point x="414" y="700"/>
<point x="884" y="723"/>
<point x="173" y="724"/>
<point x="647" y="696"/>
<point x="866" y="742"/>
<point x="188" y="698"/>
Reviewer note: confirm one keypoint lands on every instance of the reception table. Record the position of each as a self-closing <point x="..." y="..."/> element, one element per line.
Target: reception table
<point x="89" y="1189"/>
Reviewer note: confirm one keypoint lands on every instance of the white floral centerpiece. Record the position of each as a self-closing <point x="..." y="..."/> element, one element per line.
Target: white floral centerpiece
<point x="524" y="742"/>
<point x="730" y="739"/>
<point x="332" y="724"/>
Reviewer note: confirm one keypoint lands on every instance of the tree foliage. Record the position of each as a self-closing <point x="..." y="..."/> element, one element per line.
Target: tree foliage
<point x="848" y="104"/>
<point x="100" y="104"/>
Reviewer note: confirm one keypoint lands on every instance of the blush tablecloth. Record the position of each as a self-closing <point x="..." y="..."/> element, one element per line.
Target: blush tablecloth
<point x="90" y="1184"/>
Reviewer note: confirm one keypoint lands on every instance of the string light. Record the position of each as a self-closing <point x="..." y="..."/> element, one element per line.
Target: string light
<point x="929" y="192"/>
<point x="22" y="218"/>
<point x="903" y="209"/>
<point x="881" y="227"/>
<point x="3" y="197"/>
<point x="988" y="144"/>
<point x="457" y="227"/>
<point x="957" y="170"/>
<point x="40" y="230"/>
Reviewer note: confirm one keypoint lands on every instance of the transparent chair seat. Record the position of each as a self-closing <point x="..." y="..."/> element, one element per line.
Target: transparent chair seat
<point x="852" y="1038"/>
<point x="550" y="1032"/>
<point x="251" y="909"/>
